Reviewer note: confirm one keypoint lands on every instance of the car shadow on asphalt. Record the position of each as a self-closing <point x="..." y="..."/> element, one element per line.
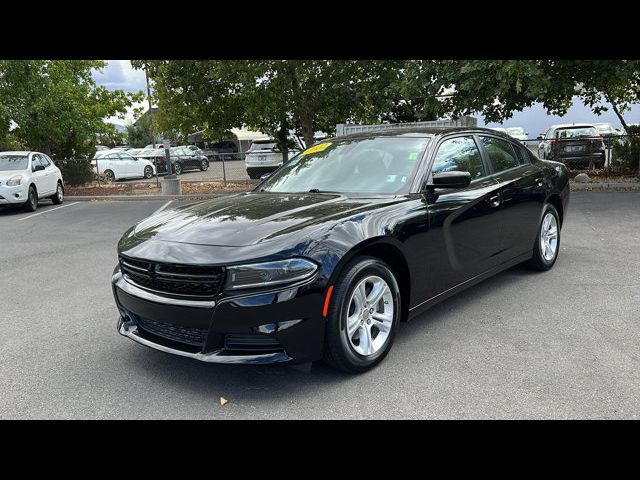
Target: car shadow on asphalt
<point x="10" y="211"/>
<point x="256" y="384"/>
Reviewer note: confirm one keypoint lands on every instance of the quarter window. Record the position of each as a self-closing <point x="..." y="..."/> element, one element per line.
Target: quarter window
<point x="500" y="153"/>
<point x="459" y="154"/>
<point x="523" y="158"/>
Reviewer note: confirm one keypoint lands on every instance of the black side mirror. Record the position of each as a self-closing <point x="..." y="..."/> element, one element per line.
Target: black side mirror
<point x="38" y="168"/>
<point x="451" y="179"/>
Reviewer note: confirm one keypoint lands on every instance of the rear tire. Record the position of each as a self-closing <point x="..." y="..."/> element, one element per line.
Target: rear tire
<point x="547" y="245"/>
<point x="177" y="169"/>
<point x="148" y="172"/>
<point x="109" y="176"/>
<point x="58" y="198"/>
<point x="32" y="200"/>
<point x="372" y="323"/>
<point x="204" y="165"/>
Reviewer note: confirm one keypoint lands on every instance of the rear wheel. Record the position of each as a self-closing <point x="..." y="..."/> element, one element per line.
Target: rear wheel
<point x="547" y="246"/>
<point x="109" y="176"/>
<point x="177" y="168"/>
<point x="204" y="165"/>
<point x="363" y="316"/>
<point x="32" y="200"/>
<point x="148" y="171"/>
<point x="58" y="198"/>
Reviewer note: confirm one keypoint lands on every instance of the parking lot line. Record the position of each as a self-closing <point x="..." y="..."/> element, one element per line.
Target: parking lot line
<point x="47" y="211"/>
<point x="163" y="207"/>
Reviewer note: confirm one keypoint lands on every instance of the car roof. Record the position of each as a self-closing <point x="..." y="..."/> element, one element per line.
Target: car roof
<point x="424" y="132"/>
<point x="17" y="153"/>
<point x="570" y="125"/>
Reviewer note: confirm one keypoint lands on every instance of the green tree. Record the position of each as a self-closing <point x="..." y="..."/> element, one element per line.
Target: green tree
<point x="139" y="134"/>
<point x="57" y="106"/>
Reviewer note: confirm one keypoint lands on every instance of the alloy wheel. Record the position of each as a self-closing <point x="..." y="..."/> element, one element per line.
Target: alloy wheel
<point x="549" y="237"/>
<point x="369" y="316"/>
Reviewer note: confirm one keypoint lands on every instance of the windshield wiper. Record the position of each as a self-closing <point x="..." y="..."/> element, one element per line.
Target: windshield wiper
<point x="317" y="190"/>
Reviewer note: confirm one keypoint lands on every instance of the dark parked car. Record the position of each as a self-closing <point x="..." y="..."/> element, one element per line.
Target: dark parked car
<point x="182" y="158"/>
<point x="575" y="144"/>
<point x="225" y="150"/>
<point x="326" y="256"/>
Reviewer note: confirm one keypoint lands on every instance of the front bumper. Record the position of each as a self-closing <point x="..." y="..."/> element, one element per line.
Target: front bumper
<point x="13" y="195"/>
<point x="280" y="326"/>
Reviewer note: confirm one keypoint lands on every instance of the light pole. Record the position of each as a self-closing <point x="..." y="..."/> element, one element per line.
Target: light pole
<point x="153" y="137"/>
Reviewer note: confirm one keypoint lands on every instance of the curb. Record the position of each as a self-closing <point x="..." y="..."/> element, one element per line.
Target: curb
<point x="605" y="187"/>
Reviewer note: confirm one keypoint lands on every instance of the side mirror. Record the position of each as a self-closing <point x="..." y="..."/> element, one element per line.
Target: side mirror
<point x="451" y="179"/>
<point x="539" y="137"/>
<point x="38" y="168"/>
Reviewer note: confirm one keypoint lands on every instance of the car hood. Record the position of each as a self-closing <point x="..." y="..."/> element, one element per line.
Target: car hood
<point x="252" y="218"/>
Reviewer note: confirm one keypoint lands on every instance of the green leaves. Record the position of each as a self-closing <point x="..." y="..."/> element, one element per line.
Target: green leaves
<point x="57" y="105"/>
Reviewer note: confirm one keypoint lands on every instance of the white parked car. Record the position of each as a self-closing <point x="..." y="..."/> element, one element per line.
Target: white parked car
<point x="116" y="164"/>
<point x="27" y="177"/>
<point x="264" y="156"/>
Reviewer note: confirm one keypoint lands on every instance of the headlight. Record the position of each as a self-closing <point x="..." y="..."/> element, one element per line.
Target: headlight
<point x="13" y="181"/>
<point x="269" y="273"/>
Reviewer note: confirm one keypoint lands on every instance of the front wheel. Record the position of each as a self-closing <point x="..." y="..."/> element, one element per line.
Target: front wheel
<point x="363" y="316"/>
<point x="547" y="245"/>
<point x="148" y="172"/>
<point x="32" y="200"/>
<point x="177" y="169"/>
<point x="58" y="198"/>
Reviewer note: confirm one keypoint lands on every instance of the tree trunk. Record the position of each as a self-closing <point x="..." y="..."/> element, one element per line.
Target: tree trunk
<point x="306" y="126"/>
<point x="617" y="112"/>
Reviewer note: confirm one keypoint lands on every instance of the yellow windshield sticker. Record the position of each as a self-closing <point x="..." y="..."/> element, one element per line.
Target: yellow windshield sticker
<point x="316" y="148"/>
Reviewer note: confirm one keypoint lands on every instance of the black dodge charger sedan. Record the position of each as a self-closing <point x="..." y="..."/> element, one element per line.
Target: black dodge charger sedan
<point x="326" y="257"/>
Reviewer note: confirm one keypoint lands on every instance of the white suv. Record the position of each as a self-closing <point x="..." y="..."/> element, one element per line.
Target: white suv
<point x="27" y="177"/>
<point x="264" y="156"/>
<point x="116" y="164"/>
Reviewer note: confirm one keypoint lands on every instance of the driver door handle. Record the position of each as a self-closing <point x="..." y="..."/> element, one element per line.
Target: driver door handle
<point x="494" y="201"/>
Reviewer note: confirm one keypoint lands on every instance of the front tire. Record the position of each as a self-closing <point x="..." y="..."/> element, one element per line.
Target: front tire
<point x="148" y="172"/>
<point x="32" y="200"/>
<point x="547" y="246"/>
<point x="363" y="316"/>
<point x="177" y="169"/>
<point x="109" y="176"/>
<point x="58" y="198"/>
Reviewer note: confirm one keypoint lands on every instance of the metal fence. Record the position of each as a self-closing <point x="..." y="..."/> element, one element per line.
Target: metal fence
<point x="621" y="152"/>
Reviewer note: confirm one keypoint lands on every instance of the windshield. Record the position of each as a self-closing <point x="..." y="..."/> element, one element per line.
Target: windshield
<point x="515" y="131"/>
<point x="364" y="165"/>
<point x="13" y="162"/>
<point x="577" y="132"/>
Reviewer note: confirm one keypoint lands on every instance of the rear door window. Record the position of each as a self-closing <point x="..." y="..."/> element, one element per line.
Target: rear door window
<point x="500" y="153"/>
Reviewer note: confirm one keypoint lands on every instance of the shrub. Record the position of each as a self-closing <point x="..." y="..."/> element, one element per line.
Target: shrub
<point x="626" y="150"/>
<point x="76" y="172"/>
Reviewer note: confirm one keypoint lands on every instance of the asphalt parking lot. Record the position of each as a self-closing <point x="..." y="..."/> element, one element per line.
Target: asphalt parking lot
<point x="561" y="344"/>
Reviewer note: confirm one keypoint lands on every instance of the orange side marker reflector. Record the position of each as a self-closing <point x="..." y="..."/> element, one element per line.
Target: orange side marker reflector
<point x="326" y="301"/>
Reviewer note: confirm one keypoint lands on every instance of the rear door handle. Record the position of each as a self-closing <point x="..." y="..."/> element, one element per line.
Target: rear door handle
<point x="494" y="201"/>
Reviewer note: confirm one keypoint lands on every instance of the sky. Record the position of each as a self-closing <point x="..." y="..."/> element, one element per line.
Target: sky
<point x="120" y="74"/>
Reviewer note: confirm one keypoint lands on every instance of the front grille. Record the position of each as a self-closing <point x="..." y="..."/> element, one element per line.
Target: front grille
<point x="188" y="335"/>
<point x="252" y="343"/>
<point x="180" y="280"/>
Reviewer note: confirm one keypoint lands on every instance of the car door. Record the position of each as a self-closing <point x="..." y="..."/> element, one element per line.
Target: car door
<point x="38" y="176"/>
<point x="465" y="236"/>
<point x="50" y="175"/>
<point x="522" y="195"/>
<point x="130" y="166"/>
